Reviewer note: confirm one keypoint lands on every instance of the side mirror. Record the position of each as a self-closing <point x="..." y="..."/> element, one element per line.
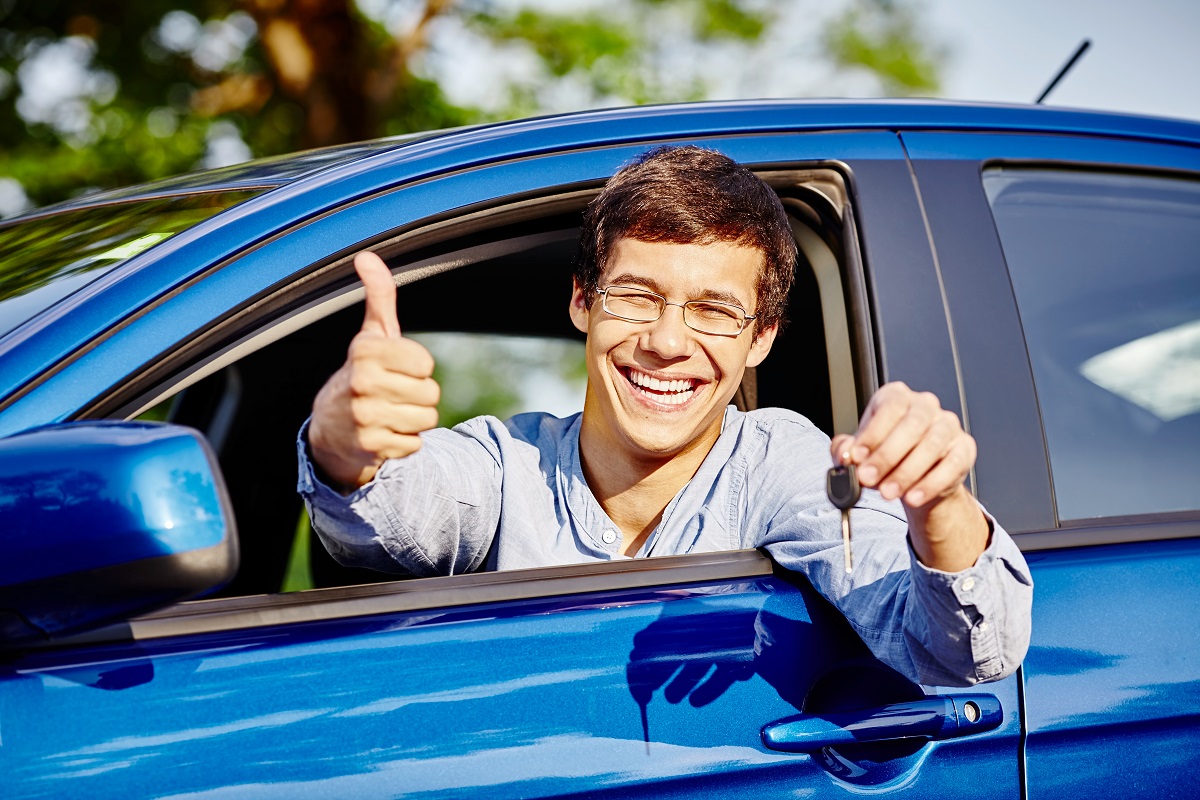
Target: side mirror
<point x="100" y="521"/>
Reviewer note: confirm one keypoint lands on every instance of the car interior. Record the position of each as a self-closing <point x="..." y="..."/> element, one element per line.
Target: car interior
<point x="501" y="272"/>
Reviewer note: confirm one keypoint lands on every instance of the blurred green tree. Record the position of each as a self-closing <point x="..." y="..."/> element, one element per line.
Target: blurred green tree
<point x="102" y="93"/>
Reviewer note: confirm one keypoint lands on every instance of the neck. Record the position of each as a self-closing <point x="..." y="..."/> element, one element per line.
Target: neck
<point x="633" y="489"/>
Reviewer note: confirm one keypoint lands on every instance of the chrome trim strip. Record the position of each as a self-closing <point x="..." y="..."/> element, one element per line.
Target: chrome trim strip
<point x="240" y="613"/>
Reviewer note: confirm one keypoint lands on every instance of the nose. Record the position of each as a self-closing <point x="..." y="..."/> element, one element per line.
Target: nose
<point x="668" y="337"/>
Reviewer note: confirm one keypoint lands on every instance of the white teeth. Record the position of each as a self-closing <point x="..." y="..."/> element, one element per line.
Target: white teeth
<point x="674" y="392"/>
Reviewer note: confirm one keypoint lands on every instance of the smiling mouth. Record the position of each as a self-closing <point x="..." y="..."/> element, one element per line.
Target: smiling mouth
<point x="667" y="392"/>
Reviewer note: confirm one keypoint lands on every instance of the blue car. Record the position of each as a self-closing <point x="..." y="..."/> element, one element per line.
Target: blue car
<point x="160" y="346"/>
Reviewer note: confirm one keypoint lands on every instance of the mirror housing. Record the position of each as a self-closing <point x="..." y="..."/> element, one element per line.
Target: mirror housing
<point x="100" y="521"/>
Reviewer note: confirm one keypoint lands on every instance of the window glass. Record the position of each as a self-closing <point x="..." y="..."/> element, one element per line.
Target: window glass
<point x="1106" y="272"/>
<point x="505" y="375"/>
<point x="43" y="260"/>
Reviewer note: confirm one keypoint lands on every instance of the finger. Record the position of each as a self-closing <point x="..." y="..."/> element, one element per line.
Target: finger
<point x="403" y="356"/>
<point x="908" y="432"/>
<point x="931" y="448"/>
<point x="886" y="408"/>
<point x="946" y="476"/>
<point x="381" y="442"/>
<point x="394" y="387"/>
<point x="840" y="448"/>
<point x="372" y="414"/>
<point x="377" y="280"/>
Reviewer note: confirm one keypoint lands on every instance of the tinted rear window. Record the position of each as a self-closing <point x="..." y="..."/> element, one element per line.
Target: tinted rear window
<point x="1106" y="272"/>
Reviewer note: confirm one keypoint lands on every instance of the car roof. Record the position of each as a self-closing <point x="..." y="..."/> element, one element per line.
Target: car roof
<point x="628" y="124"/>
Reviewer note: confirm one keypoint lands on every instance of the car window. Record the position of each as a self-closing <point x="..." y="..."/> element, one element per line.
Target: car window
<point x="1105" y="268"/>
<point x="44" y="260"/>
<point x="457" y="294"/>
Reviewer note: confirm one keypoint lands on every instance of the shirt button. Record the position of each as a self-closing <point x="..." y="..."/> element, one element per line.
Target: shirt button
<point x="967" y="585"/>
<point x="983" y="626"/>
<point x="609" y="537"/>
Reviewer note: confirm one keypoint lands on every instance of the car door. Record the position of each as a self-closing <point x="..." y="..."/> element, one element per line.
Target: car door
<point x="1071" y="266"/>
<point x="654" y="677"/>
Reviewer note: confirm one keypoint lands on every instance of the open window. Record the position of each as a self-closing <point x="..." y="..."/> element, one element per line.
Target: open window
<point x="487" y="293"/>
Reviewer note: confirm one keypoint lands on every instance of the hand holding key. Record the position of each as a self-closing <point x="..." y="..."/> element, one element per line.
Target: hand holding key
<point x="907" y="446"/>
<point x="376" y="404"/>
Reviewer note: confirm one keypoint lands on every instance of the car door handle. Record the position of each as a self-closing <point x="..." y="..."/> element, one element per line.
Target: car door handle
<point x="939" y="717"/>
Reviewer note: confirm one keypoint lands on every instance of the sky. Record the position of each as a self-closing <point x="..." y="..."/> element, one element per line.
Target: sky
<point x="1144" y="57"/>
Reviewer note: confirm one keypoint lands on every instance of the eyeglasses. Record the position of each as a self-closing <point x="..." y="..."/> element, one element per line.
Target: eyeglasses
<point x="706" y="316"/>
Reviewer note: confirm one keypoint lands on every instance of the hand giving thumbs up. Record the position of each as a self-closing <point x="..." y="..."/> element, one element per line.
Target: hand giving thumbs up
<point x="374" y="406"/>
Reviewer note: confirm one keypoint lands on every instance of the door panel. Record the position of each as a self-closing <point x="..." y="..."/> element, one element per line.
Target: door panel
<point x="660" y="692"/>
<point x="1113" y="674"/>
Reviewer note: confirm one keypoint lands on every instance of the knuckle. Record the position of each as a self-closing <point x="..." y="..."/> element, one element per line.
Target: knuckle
<point x="361" y="411"/>
<point x="360" y="385"/>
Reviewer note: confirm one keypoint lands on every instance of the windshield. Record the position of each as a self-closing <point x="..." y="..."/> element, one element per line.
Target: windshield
<point x="44" y="259"/>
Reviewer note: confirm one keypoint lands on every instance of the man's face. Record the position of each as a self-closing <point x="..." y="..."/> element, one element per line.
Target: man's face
<point x="658" y="389"/>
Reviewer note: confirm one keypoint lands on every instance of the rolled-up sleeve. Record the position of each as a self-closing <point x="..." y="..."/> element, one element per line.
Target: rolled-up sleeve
<point x="973" y="625"/>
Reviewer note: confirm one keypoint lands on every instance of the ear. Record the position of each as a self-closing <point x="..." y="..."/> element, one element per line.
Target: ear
<point x="761" y="345"/>
<point x="578" y="309"/>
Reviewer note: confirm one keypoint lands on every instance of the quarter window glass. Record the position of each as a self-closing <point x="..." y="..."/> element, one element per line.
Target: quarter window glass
<point x="1106" y="272"/>
<point x="44" y="260"/>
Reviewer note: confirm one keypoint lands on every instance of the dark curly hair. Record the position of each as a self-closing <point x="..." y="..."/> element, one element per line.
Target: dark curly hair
<point x="691" y="195"/>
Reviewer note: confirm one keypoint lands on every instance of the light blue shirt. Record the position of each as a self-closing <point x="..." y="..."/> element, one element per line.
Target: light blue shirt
<point x="511" y="495"/>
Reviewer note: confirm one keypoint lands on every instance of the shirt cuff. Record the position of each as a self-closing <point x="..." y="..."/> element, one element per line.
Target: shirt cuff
<point x="982" y="603"/>
<point x="309" y="482"/>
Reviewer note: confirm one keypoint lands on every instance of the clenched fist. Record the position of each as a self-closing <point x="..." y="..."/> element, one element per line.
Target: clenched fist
<point x="376" y="404"/>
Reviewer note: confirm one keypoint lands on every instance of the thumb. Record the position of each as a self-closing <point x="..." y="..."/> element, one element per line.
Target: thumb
<point x="381" y="295"/>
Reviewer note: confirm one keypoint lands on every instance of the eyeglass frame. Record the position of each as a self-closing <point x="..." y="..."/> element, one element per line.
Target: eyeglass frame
<point x="746" y="317"/>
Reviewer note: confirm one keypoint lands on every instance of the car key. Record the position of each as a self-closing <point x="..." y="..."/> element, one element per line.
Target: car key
<point x="841" y="484"/>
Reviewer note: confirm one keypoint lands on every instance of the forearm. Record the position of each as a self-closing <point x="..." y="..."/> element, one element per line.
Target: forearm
<point x="951" y="534"/>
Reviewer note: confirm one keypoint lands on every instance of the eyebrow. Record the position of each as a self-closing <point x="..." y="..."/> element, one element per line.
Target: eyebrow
<point x="629" y="279"/>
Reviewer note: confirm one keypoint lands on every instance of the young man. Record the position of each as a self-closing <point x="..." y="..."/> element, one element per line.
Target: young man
<point x="686" y="259"/>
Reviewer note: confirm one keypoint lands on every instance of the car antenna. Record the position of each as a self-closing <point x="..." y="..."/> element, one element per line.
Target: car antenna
<point x="1079" y="51"/>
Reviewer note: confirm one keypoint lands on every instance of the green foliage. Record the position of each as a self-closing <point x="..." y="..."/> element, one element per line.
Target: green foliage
<point x="297" y="577"/>
<point x="883" y="37"/>
<point x="488" y="374"/>
<point x="101" y="93"/>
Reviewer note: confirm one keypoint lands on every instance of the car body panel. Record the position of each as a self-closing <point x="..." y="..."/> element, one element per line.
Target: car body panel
<point x="1112" y="670"/>
<point x="1111" y="675"/>
<point x="404" y="706"/>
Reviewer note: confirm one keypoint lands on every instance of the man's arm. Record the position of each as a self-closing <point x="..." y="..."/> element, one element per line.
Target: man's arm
<point x="371" y="502"/>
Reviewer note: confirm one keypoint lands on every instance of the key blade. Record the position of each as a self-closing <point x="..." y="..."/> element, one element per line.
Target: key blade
<point x="846" y="541"/>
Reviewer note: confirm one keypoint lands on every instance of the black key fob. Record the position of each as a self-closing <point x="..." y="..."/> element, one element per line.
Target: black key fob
<point x="841" y="484"/>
